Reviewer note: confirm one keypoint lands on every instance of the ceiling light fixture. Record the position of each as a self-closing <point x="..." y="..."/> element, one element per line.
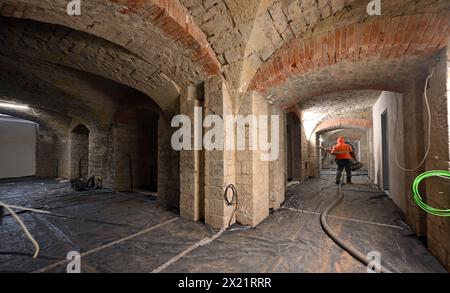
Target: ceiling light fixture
<point x="13" y="106"/>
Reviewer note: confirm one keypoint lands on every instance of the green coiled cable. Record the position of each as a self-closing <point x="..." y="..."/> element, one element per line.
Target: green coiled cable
<point x="418" y="198"/>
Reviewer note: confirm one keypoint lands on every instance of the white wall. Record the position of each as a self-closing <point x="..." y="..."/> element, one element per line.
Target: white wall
<point x="396" y="145"/>
<point x="17" y="147"/>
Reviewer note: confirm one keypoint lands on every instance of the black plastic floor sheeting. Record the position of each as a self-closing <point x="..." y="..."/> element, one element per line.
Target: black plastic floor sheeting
<point x="86" y="221"/>
<point x="290" y="240"/>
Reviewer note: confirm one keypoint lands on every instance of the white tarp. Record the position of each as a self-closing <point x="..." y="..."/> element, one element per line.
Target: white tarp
<point x="17" y="147"/>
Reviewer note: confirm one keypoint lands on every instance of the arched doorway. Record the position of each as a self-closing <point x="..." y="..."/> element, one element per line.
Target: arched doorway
<point x="79" y="152"/>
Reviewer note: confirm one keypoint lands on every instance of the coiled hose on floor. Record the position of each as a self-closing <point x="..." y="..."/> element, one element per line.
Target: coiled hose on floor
<point x="418" y="198"/>
<point x="350" y="249"/>
<point x="232" y="202"/>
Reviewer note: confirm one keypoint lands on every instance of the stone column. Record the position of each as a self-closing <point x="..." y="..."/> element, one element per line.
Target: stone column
<point x="252" y="174"/>
<point x="437" y="189"/>
<point x="296" y="147"/>
<point x="192" y="163"/>
<point x="219" y="164"/>
<point x="414" y="149"/>
<point x="101" y="161"/>
<point x="277" y="169"/>
<point x="168" y="166"/>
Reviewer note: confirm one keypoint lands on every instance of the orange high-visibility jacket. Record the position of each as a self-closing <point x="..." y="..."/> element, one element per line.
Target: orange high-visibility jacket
<point x="342" y="150"/>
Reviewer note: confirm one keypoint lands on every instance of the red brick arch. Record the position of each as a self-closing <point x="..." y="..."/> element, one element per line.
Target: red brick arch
<point x="171" y="17"/>
<point x="337" y="123"/>
<point x="383" y="37"/>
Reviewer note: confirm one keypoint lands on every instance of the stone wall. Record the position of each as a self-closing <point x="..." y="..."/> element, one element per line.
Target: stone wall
<point x="277" y="169"/>
<point x="219" y="164"/>
<point x="387" y="104"/>
<point x="438" y="190"/>
<point x="168" y="166"/>
<point x="294" y="147"/>
<point x="252" y="173"/>
<point x="46" y="160"/>
<point x="79" y="152"/>
<point x="192" y="162"/>
<point x="414" y="149"/>
<point x="135" y="154"/>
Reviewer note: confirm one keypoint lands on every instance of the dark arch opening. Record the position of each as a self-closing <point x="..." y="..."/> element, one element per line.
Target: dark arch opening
<point x="79" y="152"/>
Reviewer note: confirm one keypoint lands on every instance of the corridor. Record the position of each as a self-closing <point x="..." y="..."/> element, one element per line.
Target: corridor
<point x="206" y="135"/>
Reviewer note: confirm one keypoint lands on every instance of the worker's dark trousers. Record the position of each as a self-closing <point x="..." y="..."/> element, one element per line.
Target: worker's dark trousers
<point x="344" y="164"/>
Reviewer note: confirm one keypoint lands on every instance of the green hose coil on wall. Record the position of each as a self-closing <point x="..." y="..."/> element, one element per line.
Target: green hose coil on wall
<point x="418" y="198"/>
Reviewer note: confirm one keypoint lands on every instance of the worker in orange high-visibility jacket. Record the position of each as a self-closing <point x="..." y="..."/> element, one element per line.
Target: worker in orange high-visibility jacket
<point x="343" y="153"/>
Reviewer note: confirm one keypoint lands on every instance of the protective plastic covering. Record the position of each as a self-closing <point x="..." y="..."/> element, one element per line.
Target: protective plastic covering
<point x="288" y="241"/>
<point x="293" y="241"/>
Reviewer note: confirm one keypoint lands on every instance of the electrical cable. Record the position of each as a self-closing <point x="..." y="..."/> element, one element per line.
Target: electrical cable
<point x="429" y="127"/>
<point x="24" y="228"/>
<point x="327" y="229"/>
<point x="418" y="198"/>
<point x="233" y="201"/>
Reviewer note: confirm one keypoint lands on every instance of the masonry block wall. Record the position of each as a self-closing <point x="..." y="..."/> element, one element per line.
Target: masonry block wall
<point x="101" y="160"/>
<point x="304" y="153"/>
<point x="219" y="164"/>
<point x="46" y="160"/>
<point x="252" y="172"/>
<point x="205" y="174"/>
<point x="414" y="149"/>
<point x="387" y="104"/>
<point x="168" y="166"/>
<point x="79" y="152"/>
<point x="135" y="153"/>
<point x="62" y="154"/>
<point x="294" y="157"/>
<point x="437" y="189"/>
<point x="410" y="143"/>
<point x="312" y="167"/>
<point x="277" y="169"/>
<point x="192" y="163"/>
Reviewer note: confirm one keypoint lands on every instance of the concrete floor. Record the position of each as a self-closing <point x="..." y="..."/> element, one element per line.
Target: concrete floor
<point x="120" y="232"/>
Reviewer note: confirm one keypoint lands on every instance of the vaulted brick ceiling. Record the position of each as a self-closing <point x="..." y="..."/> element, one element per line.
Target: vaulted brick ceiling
<point x="289" y="50"/>
<point x="339" y="109"/>
<point x="148" y="45"/>
<point x="350" y="50"/>
<point x="340" y="103"/>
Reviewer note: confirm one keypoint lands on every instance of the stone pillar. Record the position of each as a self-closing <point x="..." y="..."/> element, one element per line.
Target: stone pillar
<point x="295" y="148"/>
<point x="437" y="189"/>
<point x="277" y="169"/>
<point x="62" y="150"/>
<point x="192" y="162"/>
<point x="219" y="164"/>
<point x="304" y="153"/>
<point x="252" y="176"/>
<point x="314" y="157"/>
<point x="101" y="161"/>
<point x="414" y="149"/>
<point x="46" y="156"/>
<point x="168" y="166"/>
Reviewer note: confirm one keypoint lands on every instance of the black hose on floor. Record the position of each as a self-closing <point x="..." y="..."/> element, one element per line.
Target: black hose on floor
<point x="350" y="249"/>
<point x="233" y="201"/>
